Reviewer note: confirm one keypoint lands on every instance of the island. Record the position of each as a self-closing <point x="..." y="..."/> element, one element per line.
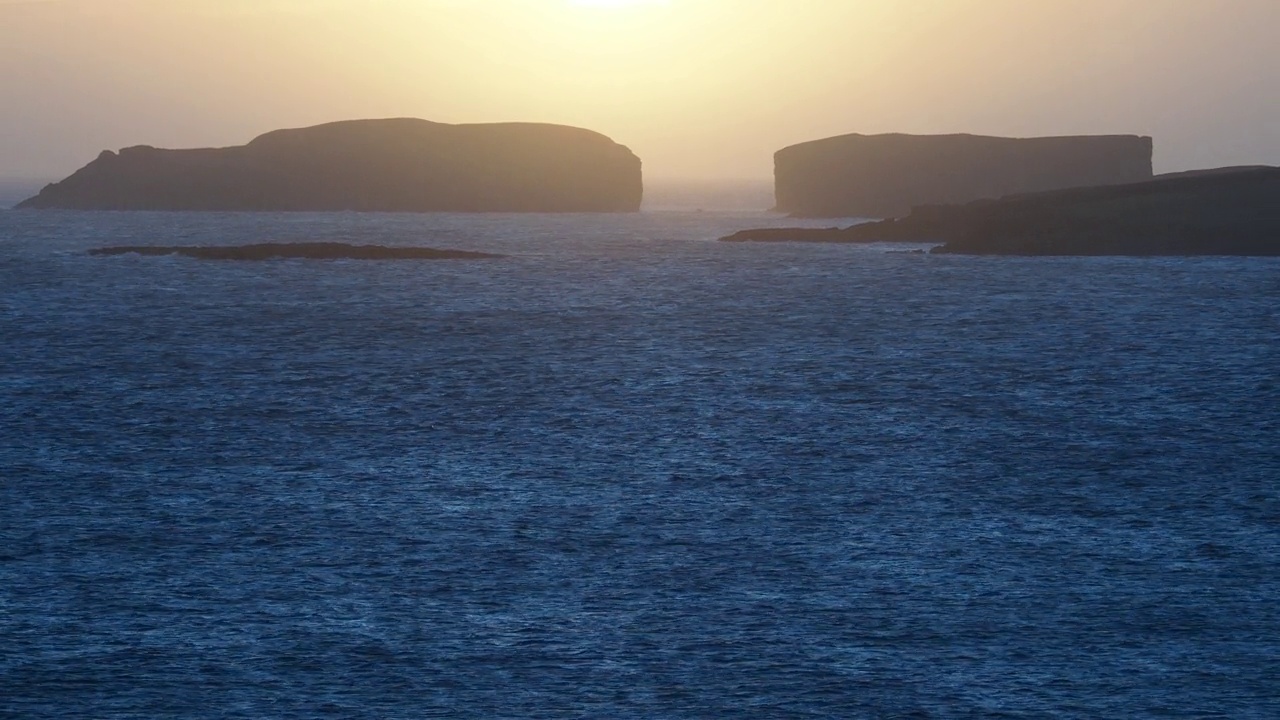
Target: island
<point x="305" y="251"/>
<point x="1228" y="211"/>
<point x="885" y="176"/>
<point x="394" y="165"/>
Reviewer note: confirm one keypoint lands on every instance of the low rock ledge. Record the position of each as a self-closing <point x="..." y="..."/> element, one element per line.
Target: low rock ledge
<point x="304" y="251"/>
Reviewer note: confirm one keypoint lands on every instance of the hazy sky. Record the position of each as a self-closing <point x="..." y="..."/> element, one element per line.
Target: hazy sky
<point x="697" y="88"/>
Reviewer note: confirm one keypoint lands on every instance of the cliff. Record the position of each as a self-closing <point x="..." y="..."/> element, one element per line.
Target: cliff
<point x="1222" y="212"/>
<point x="368" y="165"/>
<point x="885" y="176"/>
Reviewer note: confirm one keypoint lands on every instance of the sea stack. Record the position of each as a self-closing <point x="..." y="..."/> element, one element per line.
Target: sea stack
<point x="885" y="176"/>
<point x="395" y="165"/>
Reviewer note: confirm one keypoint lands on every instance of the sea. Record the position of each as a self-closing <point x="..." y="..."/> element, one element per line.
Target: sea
<point x="627" y="471"/>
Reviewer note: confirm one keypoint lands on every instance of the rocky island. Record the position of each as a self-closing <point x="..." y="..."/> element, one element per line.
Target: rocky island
<point x="396" y="165"/>
<point x="1221" y="212"/>
<point x="885" y="176"/>
<point x="303" y="251"/>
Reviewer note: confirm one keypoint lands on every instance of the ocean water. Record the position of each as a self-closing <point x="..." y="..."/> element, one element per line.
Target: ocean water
<point x="630" y="472"/>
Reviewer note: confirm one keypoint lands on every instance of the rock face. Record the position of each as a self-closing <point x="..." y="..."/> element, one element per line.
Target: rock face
<point x="1224" y="212"/>
<point x="1231" y="213"/>
<point x="792" y="235"/>
<point x="306" y="251"/>
<point x="885" y="176"/>
<point x="368" y="165"/>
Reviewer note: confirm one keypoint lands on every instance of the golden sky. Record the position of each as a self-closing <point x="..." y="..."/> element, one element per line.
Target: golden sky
<point x="697" y="88"/>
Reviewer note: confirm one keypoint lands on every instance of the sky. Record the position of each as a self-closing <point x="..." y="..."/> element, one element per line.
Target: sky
<point x="699" y="89"/>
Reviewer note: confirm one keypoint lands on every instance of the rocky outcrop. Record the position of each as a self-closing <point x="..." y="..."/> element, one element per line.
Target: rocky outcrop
<point x="885" y="176"/>
<point x="801" y="235"/>
<point x="307" y="251"/>
<point x="1231" y="213"/>
<point x="1210" y="171"/>
<point x="1225" y="211"/>
<point x="368" y="165"/>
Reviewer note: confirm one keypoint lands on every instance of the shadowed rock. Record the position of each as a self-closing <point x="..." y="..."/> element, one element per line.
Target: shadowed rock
<point x="368" y="165"/>
<point x="1210" y="171"/>
<point x="885" y="176"/>
<point x="1213" y="212"/>
<point x="309" y="251"/>
<point x="800" y="235"/>
<point x="1228" y="213"/>
<point x="868" y="232"/>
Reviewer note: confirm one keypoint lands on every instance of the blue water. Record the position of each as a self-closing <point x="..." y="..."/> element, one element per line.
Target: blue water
<point x="629" y="472"/>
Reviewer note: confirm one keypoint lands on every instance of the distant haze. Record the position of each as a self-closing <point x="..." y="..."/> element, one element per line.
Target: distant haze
<point x="697" y="88"/>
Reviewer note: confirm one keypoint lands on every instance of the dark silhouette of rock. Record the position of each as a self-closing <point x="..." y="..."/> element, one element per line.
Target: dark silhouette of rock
<point x="309" y="251"/>
<point x="1229" y="213"/>
<point x="1211" y="171"/>
<point x="1222" y="211"/>
<point x="1233" y="212"/>
<point x="368" y="165"/>
<point x="885" y="176"/>
<point x="869" y="232"/>
<point x="800" y="235"/>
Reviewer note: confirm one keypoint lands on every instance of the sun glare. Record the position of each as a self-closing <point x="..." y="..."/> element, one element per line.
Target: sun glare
<point x="615" y="4"/>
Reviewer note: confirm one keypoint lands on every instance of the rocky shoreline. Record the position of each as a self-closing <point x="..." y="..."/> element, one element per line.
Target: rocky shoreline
<point x="1228" y="212"/>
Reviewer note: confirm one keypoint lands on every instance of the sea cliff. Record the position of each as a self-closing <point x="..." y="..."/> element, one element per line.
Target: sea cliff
<point x="885" y="176"/>
<point x="400" y="164"/>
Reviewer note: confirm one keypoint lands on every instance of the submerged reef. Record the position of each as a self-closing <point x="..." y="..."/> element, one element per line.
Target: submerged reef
<point x="307" y="251"/>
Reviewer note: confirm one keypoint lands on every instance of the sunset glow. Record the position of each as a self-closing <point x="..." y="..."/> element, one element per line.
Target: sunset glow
<point x="616" y="4"/>
<point x="639" y="358"/>
<point x="703" y="88"/>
